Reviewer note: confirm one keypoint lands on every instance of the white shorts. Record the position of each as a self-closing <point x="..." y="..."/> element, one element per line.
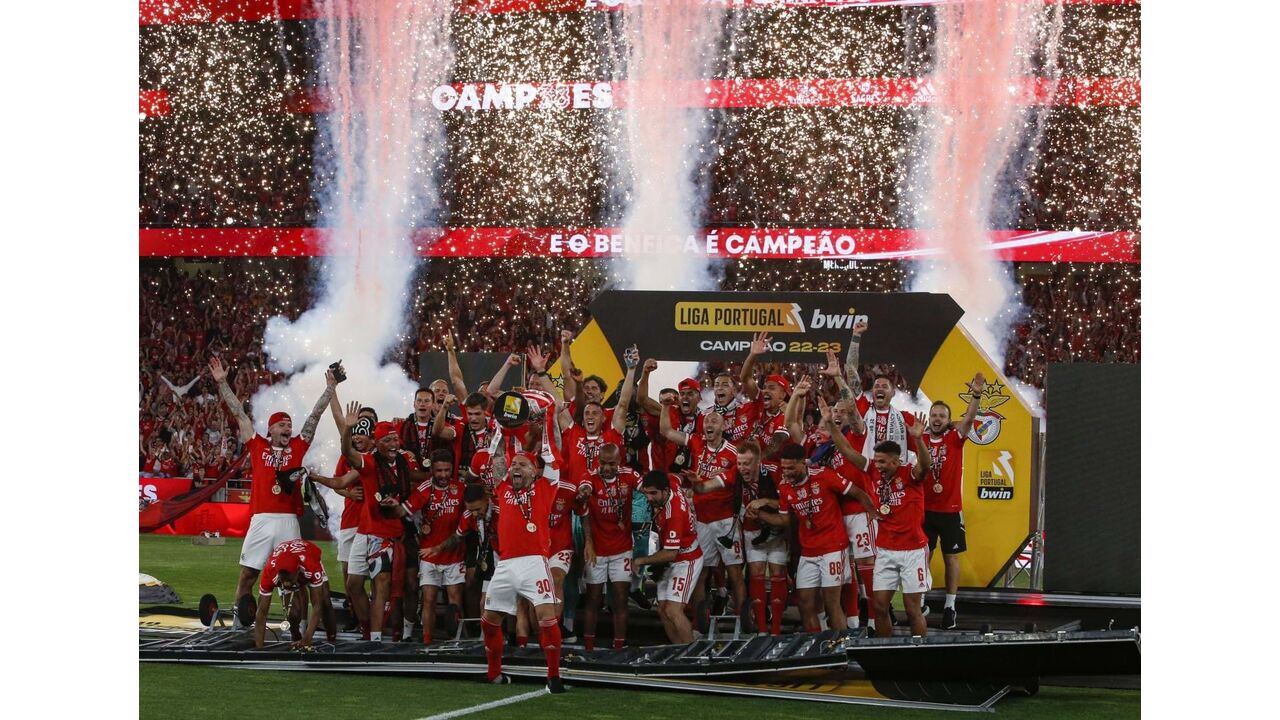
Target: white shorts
<point x="526" y="576"/>
<point x="610" y="568"/>
<point x="830" y="570"/>
<point x="713" y="553"/>
<point x="906" y="570"/>
<point x="773" y="551"/>
<point x="862" y="536"/>
<point x="561" y="561"/>
<point x="430" y="573"/>
<point x="266" y="531"/>
<point x="358" y="555"/>
<point x="677" y="584"/>
<point x="345" y="537"/>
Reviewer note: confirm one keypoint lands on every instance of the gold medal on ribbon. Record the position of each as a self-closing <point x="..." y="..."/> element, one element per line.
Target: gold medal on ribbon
<point x="275" y="489"/>
<point x="426" y="528"/>
<point x="884" y="508"/>
<point x="937" y="488"/>
<point x="531" y="527"/>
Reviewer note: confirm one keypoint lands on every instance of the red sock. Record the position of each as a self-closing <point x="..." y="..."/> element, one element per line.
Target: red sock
<point x="757" y="599"/>
<point x="426" y="637"/>
<point x="549" y="638"/>
<point x="619" y="643"/>
<point x="492" y="647"/>
<point x="589" y="641"/>
<point x="777" y="602"/>
<point x="849" y="599"/>
<point x="866" y="573"/>
<point x="522" y="640"/>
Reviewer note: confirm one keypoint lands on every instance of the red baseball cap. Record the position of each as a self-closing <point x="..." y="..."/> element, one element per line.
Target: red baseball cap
<point x="278" y="417"/>
<point x="689" y="384"/>
<point x="383" y="429"/>
<point x="782" y="382"/>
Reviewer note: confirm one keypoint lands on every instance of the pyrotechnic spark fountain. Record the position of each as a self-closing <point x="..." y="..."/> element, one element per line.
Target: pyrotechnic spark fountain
<point x="982" y="54"/>
<point x="378" y="62"/>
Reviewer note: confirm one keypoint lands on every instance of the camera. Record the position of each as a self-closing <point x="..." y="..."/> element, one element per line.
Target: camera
<point x="339" y="373"/>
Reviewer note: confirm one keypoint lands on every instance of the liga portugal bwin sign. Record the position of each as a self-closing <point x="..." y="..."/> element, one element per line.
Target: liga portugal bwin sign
<point x="916" y="332"/>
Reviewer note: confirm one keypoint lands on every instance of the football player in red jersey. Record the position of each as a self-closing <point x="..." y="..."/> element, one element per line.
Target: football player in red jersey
<point x="902" y="548"/>
<point x="769" y="425"/>
<point x="275" y="508"/>
<point x="678" y="562"/>
<point x="292" y="563"/>
<point x="386" y="475"/>
<point x="943" y="504"/>
<point x="439" y="502"/>
<point x="739" y="413"/>
<point x="608" y="546"/>
<point x="415" y="430"/>
<point x="524" y="502"/>
<point x="713" y="477"/>
<point x="814" y="496"/>
<point x="469" y="434"/>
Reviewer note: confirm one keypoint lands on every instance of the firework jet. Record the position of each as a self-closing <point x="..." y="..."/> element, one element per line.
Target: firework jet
<point x="981" y="56"/>
<point x="376" y="149"/>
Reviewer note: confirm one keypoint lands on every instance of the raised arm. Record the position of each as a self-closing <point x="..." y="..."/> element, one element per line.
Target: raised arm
<point x="632" y="358"/>
<point x="438" y="428"/>
<point x="847" y="395"/>
<point x="455" y="370"/>
<point x="794" y="411"/>
<point x="345" y="424"/>
<point x="648" y="404"/>
<point x="342" y="482"/>
<point x="842" y="443"/>
<point x="566" y="366"/>
<point x="494" y="388"/>
<point x="232" y="402"/>
<point x="309" y="427"/>
<point x="851" y="358"/>
<point x="668" y="432"/>
<point x="923" y="458"/>
<point x="759" y="346"/>
<point x="976" y="386"/>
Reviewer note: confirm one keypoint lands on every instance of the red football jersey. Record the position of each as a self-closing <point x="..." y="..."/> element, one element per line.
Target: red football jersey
<point x="372" y="519"/>
<point x="469" y="522"/>
<point x="561" y="517"/>
<point x="739" y="417"/>
<point x="674" y="524"/>
<point x="441" y="509"/>
<point x="903" y="527"/>
<point x="482" y="468"/>
<point x="946" y="455"/>
<point x="708" y="463"/>
<point x="264" y="461"/>
<point x="310" y="568"/>
<point x="849" y="505"/>
<point x="878" y="429"/>
<point x="816" y="502"/>
<point x="609" y="507"/>
<point x="751" y="491"/>
<point x="351" y="507"/>
<point x="516" y="510"/>
<point x="582" y="451"/>
<point x="767" y="425"/>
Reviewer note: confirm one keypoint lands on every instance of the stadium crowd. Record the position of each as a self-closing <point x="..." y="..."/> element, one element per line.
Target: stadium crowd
<point x="1074" y="313"/>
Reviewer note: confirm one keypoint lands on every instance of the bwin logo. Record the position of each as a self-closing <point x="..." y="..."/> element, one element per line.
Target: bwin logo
<point x="995" y="493"/>
<point x="836" y="321"/>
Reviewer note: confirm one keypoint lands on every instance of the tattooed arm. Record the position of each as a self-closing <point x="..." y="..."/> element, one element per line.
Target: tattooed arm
<point x="233" y="403"/>
<point x="309" y="427"/>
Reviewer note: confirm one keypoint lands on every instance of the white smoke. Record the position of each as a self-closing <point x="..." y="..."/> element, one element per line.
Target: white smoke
<point x="374" y="157"/>
<point x="982" y="54"/>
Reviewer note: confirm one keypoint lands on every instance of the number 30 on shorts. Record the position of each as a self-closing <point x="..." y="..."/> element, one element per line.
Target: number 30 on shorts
<point x="544" y="587"/>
